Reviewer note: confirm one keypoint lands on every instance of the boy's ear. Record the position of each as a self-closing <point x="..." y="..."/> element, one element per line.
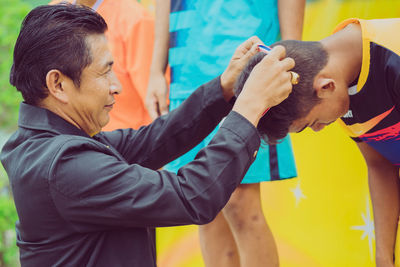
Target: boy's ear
<point x="324" y="86"/>
<point x="56" y="82"/>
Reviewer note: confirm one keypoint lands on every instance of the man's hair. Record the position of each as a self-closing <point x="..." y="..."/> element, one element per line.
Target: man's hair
<point x="52" y="37"/>
<point x="310" y="59"/>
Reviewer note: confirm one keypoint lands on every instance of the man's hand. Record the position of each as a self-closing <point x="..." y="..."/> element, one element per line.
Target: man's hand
<point x="156" y="97"/>
<point x="268" y="84"/>
<point x="238" y="61"/>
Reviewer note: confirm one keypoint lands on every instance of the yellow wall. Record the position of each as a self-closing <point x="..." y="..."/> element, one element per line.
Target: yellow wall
<point x="330" y="221"/>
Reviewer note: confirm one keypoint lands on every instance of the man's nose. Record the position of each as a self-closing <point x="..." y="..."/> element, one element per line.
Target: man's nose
<point x="115" y="87"/>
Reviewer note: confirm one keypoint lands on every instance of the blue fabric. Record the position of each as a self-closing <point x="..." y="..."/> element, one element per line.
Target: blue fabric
<point x="267" y="166"/>
<point x="204" y="35"/>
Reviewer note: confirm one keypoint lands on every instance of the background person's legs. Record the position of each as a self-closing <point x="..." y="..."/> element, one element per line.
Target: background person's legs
<point x="239" y="236"/>
<point x="217" y="244"/>
<point x="255" y="242"/>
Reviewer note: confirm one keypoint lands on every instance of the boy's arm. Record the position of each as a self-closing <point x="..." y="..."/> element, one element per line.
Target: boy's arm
<point x="157" y="89"/>
<point x="291" y="16"/>
<point x="383" y="178"/>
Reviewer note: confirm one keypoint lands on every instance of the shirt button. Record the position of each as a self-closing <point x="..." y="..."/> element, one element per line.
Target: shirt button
<point x="255" y="153"/>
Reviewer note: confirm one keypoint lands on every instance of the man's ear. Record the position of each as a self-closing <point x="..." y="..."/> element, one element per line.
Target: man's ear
<point x="325" y="87"/>
<point x="56" y="82"/>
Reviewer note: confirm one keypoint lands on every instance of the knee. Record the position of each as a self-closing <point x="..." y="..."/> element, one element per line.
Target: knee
<point x="244" y="212"/>
<point x="232" y="212"/>
<point x="240" y="216"/>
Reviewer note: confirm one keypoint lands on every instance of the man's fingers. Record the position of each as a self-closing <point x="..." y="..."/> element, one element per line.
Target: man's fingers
<point x="247" y="46"/>
<point x="288" y="63"/>
<point x="278" y="52"/>
<point x="249" y="53"/>
<point x="254" y="40"/>
<point x="254" y="49"/>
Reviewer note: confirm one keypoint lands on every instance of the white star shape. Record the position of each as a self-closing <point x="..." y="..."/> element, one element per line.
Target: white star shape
<point x="367" y="228"/>
<point x="298" y="194"/>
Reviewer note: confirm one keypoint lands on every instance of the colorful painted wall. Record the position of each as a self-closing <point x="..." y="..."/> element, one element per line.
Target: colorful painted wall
<point x="324" y="217"/>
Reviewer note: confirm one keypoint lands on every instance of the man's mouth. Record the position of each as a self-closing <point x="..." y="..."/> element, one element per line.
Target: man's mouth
<point x="110" y="105"/>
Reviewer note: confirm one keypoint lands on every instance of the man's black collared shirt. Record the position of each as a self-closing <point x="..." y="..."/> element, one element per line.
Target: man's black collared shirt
<point x="86" y="201"/>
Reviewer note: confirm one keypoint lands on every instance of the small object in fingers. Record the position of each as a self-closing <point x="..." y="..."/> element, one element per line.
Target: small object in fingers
<point x="264" y="48"/>
<point x="294" y="77"/>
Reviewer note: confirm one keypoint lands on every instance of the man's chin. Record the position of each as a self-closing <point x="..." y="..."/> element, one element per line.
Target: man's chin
<point x="106" y="121"/>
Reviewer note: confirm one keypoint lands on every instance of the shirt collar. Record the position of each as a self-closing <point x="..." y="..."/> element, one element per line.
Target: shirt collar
<point x="36" y="118"/>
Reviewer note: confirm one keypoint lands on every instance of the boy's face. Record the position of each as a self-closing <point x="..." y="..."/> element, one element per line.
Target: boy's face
<point x="334" y="103"/>
<point x="327" y="111"/>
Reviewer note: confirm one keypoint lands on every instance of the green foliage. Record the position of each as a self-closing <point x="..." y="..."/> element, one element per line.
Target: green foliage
<point x="37" y="2"/>
<point x="8" y="217"/>
<point x="11" y="15"/>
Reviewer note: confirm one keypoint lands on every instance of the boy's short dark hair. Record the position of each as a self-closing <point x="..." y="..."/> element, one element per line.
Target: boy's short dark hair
<point x="52" y="37"/>
<point x="310" y="59"/>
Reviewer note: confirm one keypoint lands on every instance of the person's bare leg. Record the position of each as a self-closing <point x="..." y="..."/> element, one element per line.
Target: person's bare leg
<point x="384" y="190"/>
<point x="255" y="242"/>
<point x="217" y="244"/>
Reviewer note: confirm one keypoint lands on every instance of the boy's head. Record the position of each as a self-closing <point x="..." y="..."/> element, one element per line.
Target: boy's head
<point x="314" y="102"/>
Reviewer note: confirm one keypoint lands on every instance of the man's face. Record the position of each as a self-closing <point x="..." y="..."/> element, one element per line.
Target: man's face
<point x="92" y="102"/>
<point x="324" y="113"/>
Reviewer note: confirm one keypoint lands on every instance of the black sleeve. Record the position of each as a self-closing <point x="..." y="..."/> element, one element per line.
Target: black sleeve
<point x="93" y="189"/>
<point x="174" y="134"/>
